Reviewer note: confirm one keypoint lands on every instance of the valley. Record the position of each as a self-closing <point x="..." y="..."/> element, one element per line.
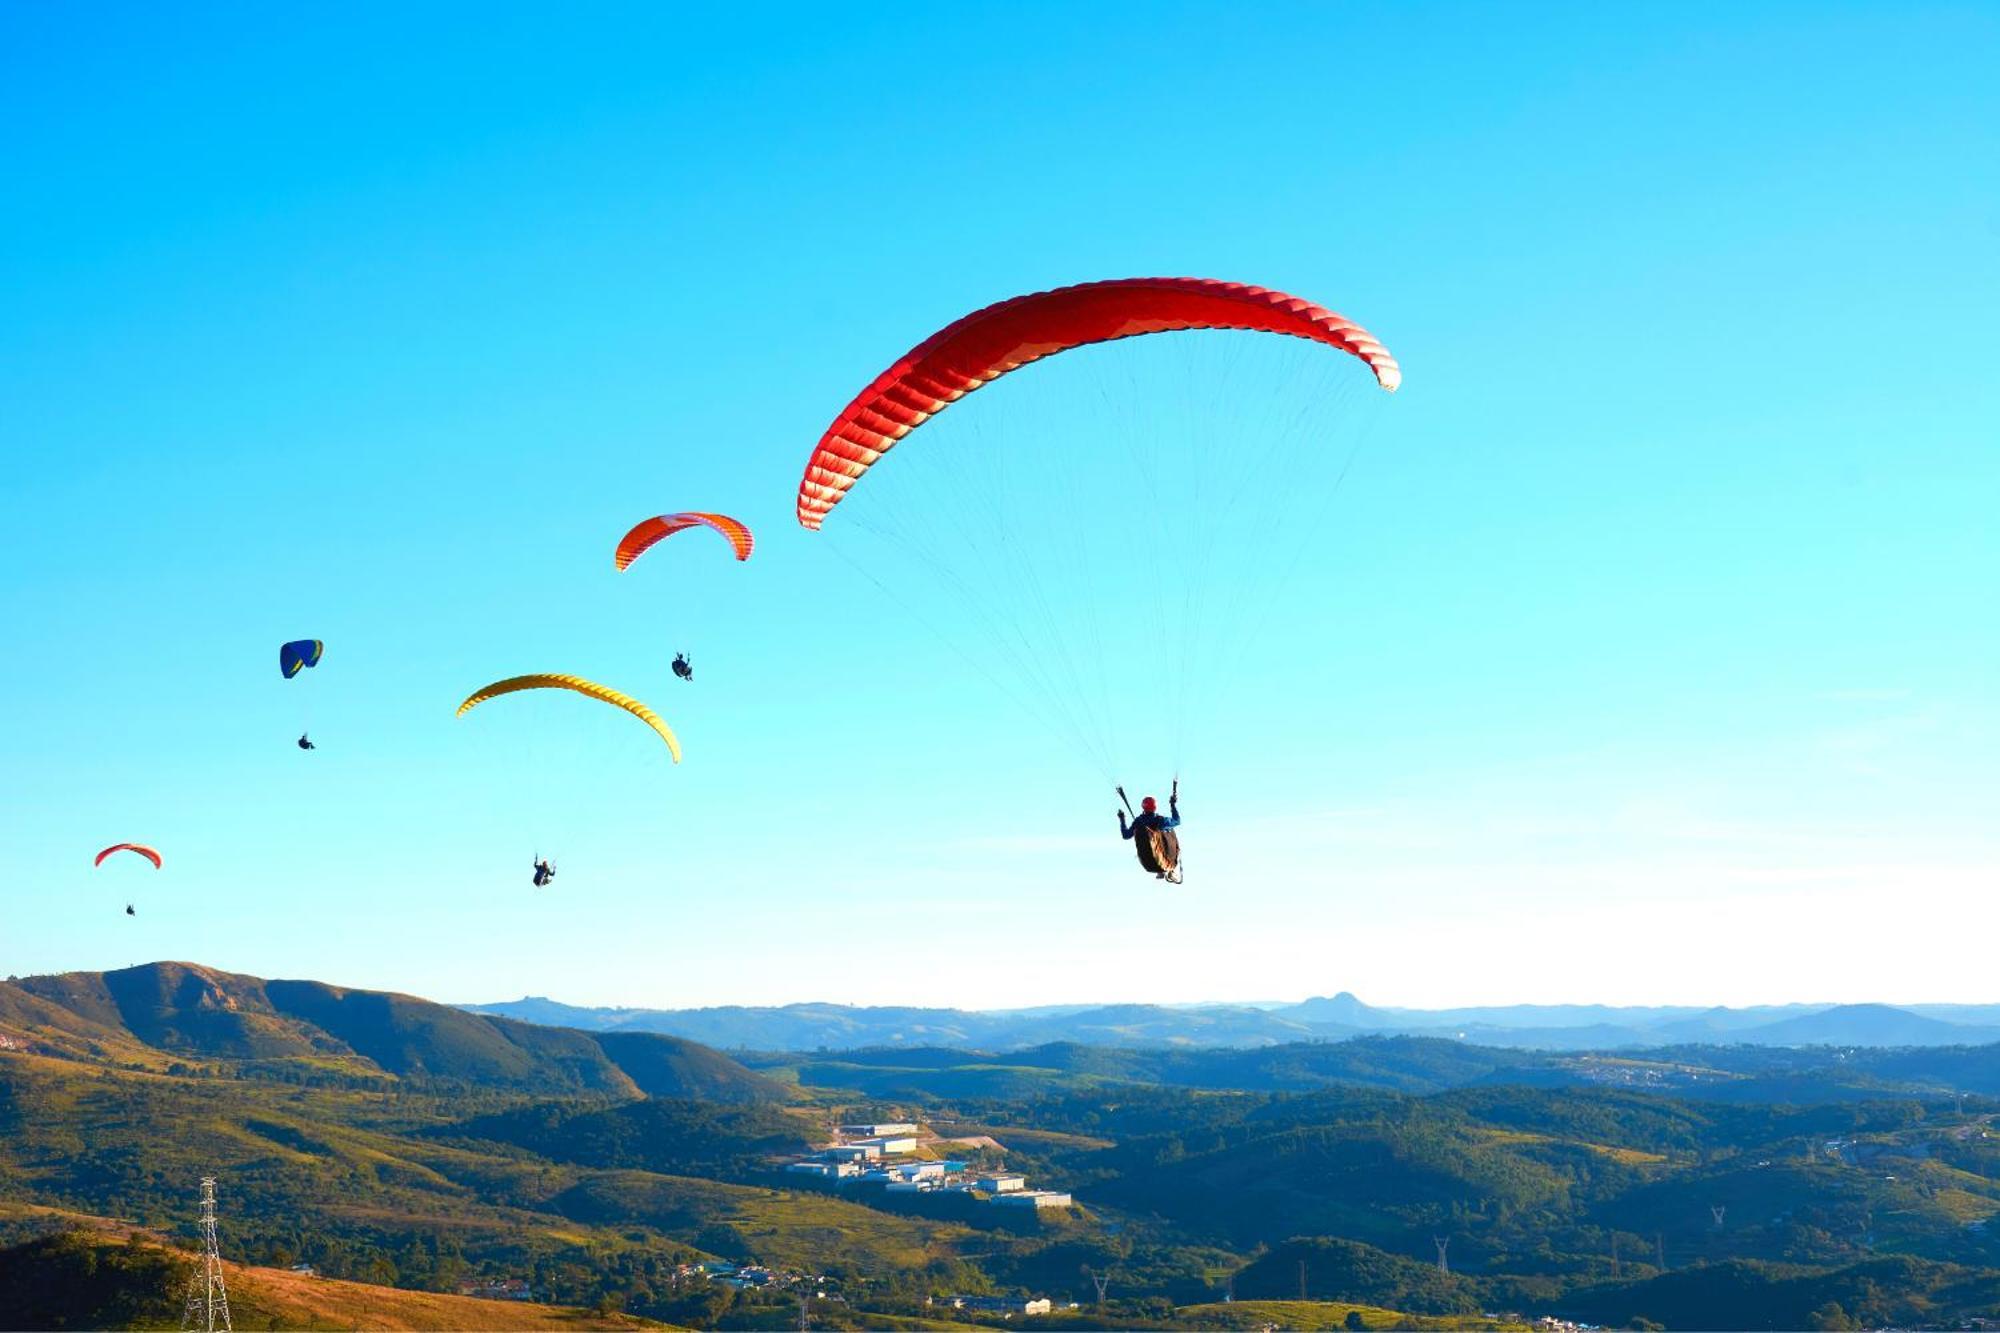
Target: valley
<point x="399" y="1144"/>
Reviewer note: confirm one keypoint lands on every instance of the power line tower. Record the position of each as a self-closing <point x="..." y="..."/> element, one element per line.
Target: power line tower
<point x="1443" y="1243"/>
<point x="1102" y="1280"/>
<point x="207" y="1299"/>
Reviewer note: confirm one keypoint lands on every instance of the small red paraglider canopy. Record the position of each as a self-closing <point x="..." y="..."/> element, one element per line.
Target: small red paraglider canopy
<point x="138" y="847"/>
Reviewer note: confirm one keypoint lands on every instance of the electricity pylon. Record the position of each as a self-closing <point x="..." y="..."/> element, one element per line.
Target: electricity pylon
<point x="207" y="1298"/>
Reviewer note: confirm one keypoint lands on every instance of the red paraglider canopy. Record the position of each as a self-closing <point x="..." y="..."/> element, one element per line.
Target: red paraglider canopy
<point x="645" y="535"/>
<point x="140" y="848"/>
<point x="988" y="343"/>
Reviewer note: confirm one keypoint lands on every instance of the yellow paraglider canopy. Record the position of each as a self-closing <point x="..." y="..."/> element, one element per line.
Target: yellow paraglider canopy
<point x="590" y="689"/>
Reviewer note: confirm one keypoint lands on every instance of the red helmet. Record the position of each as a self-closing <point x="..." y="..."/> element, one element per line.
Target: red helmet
<point x="1149" y="805"/>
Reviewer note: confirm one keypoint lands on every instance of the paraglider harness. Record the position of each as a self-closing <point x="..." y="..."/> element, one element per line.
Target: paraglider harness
<point x="305" y="744"/>
<point x="1159" y="849"/>
<point x="544" y="872"/>
<point x="682" y="667"/>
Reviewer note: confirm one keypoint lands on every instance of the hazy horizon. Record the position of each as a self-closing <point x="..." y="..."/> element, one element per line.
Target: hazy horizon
<point x="1390" y="1006"/>
<point x="1262" y="1003"/>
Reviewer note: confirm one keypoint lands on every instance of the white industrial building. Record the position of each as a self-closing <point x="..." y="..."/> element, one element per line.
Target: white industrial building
<point x="1036" y="1199"/>
<point x="907" y="1171"/>
<point x="852" y="1152"/>
<point x="872" y="1160"/>
<point x="889" y="1143"/>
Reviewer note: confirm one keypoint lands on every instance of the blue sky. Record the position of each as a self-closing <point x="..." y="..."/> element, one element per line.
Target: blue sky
<point x="1654" y="655"/>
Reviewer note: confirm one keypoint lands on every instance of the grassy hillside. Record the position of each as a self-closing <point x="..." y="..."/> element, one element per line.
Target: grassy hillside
<point x="32" y="1023"/>
<point x="384" y="1185"/>
<point x="276" y="1298"/>
<point x="414" y="1038"/>
<point x="161" y="1014"/>
<point x="784" y="1228"/>
<point x="78" y="1279"/>
<point x="1315" y="1316"/>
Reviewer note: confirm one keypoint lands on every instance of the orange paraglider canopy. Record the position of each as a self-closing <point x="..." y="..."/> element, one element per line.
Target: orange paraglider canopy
<point x="988" y="343"/>
<point x="645" y="535"/>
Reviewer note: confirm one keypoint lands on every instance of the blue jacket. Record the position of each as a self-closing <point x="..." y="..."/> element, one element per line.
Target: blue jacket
<point x="1152" y="820"/>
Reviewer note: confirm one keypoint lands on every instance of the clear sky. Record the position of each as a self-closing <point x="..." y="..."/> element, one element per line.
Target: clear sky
<point x="1654" y="648"/>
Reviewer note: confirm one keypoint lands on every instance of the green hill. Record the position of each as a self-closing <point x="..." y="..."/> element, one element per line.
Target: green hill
<point x="1407" y="1064"/>
<point x="1323" y="1268"/>
<point x="663" y="1066"/>
<point x="1327" y="1316"/>
<point x="1882" y="1293"/>
<point x="190" y="1012"/>
<point x="1346" y="1171"/>
<point x="674" y="1137"/>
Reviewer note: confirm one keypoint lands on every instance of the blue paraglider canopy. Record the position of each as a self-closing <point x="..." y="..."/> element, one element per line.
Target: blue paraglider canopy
<point x="299" y="654"/>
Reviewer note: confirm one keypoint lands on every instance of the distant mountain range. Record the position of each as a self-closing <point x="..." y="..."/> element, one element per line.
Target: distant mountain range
<point x="182" y="1017"/>
<point x="833" y="1027"/>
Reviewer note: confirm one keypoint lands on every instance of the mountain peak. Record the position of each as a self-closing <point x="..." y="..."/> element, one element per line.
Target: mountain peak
<point x="1344" y="1009"/>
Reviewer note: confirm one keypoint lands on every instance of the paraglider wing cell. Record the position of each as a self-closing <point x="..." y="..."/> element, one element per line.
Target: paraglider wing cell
<point x="645" y="535"/>
<point x="299" y="654"/>
<point x="589" y="689"/>
<point x="988" y="343"/>
<point x="140" y="848"/>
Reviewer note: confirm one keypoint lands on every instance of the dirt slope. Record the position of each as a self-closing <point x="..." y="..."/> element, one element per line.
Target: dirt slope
<point x="259" y="1295"/>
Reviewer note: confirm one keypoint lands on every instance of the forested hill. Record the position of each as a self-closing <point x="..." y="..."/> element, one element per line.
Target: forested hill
<point x="163" y="1014"/>
<point x="1421" y="1065"/>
